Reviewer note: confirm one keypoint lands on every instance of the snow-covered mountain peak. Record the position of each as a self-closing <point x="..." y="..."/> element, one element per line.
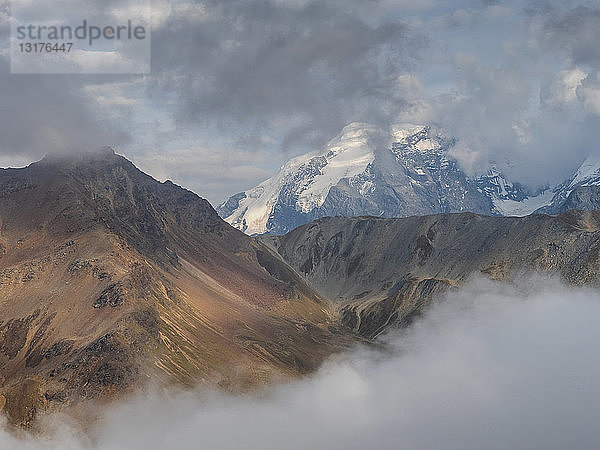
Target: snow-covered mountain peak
<point x="402" y="131"/>
<point x="575" y="193"/>
<point x="588" y="173"/>
<point x="408" y="172"/>
<point x="306" y="179"/>
<point x="346" y="156"/>
<point x="354" y="135"/>
<point x="354" y="146"/>
<point x="415" y="138"/>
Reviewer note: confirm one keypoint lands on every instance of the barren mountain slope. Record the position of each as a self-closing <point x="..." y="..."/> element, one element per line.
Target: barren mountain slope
<point x="383" y="271"/>
<point x="110" y="280"/>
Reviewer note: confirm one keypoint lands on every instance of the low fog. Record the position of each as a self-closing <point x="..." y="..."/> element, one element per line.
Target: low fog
<point x="490" y="366"/>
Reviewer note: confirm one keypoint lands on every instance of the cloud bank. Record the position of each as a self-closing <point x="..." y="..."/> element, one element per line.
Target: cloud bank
<point x="300" y="70"/>
<point x="515" y="82"/>
<point x="492" y="366"/>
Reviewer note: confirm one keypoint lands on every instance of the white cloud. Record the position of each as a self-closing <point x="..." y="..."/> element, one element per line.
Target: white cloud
<point x="589" y="93"/>
<point x="563" y="89"/>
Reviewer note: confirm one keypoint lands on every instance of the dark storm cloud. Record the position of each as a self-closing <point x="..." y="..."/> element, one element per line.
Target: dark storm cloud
<point x="496" y="75"/>
<point x="301" y="69"/>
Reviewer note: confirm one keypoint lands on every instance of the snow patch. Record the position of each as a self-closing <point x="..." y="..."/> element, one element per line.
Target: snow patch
<point x="524" y="207"/>
<point x="426" y="145"/>
<point x="347" y="155"/>
<point x="404" y="130"/>
<point x="254" y="211"/>
<point x="589" y="169"/>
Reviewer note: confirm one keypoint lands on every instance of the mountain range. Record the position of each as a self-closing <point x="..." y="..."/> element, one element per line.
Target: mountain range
<point x="411" y="173"/>
<point x="112" y="283"/>
<point x="384" y="272"/>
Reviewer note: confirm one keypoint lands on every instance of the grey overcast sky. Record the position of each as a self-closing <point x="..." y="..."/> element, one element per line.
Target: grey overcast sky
<point x="239" y="86"/>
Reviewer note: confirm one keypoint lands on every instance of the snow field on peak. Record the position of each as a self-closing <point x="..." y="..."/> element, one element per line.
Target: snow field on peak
<point x="346" y="155"/>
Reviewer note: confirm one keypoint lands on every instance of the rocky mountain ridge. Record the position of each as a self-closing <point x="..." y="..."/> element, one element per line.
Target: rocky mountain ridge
<point x="383" y="272"/>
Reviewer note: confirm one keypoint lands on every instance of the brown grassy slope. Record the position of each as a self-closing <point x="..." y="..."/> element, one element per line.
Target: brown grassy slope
<point x="110" y="280"/>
